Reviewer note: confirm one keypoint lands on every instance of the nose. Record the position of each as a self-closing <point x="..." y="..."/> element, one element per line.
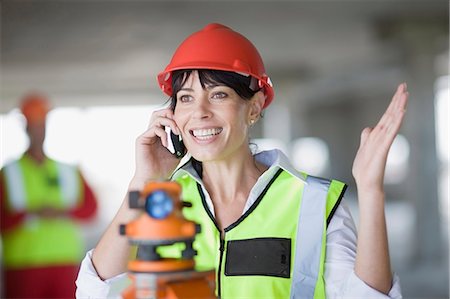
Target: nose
<point x="202" y="108"/>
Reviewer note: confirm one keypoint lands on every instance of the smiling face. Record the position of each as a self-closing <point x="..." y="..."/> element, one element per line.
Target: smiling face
<point x="214" y="119"/>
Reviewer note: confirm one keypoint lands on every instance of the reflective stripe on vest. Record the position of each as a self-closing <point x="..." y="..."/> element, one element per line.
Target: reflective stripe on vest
<point x="15" y="186"/>
<point x="69" y="184"/>
<point x="310" y="230"/>
<point x="281" y="224"/>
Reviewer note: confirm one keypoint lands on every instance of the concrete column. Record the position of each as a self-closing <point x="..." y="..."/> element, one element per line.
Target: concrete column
<point x="421" y="51"/>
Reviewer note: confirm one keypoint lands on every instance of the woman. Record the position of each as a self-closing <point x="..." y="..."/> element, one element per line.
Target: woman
<point x="300" y="234"/>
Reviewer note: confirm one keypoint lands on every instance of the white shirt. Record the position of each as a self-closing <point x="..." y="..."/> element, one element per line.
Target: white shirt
<point x="340" y="278"/>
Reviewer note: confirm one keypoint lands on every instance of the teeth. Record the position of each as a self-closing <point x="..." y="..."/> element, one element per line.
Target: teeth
<point x="206" y="132"/>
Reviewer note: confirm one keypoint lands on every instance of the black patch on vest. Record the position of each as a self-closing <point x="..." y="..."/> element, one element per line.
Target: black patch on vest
<point x="261" y="256"/>
<point x="52" y="181"/>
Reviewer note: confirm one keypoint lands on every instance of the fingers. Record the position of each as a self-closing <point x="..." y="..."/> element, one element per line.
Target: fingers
<point x="403" y="101"/>
<point x="394" y="126"/>
<point x="398" y="111"/>
<point x="151" y="137"/>
<point x="160" y="122"/>
<point x="156" y="128"/>
<point x="383" y="134"/>
<point x="164" y="118"/>
<point x="401" y="97"/>
<point x="395" y="111"/>
<point x="161" y="133"/>
<point x="398" y="100"/>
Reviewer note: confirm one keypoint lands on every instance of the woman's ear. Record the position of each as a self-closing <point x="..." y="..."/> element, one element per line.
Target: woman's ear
<point x="256" y="106"/>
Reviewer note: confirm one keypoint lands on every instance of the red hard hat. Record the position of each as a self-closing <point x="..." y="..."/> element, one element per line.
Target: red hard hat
<point x="217" y="47"/>
<point x="35" y="107"/>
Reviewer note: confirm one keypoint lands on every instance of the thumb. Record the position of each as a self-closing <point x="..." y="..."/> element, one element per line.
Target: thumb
<point x="364" y="135"/>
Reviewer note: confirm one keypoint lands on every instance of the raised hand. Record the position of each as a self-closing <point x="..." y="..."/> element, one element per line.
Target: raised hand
<point x="370" y="161"/>
<point x="372" y="263"/>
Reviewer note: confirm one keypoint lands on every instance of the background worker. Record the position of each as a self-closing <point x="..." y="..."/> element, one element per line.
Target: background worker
<point x="42" y="201"/>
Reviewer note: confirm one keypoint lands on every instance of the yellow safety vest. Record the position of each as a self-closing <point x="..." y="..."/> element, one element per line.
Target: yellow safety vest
<point x="37" y="241"/>
<point x="277" y="248"/>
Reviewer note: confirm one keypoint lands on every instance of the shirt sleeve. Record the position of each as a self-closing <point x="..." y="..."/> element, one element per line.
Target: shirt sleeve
<point x="90" y="285"/>
<point x="340" y="279"/>
<point x="88" y="204"/>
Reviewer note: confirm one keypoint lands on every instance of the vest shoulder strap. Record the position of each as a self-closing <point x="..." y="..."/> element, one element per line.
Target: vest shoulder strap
<point x="319" y="202"/>
<point x="70" y="183"/>
<point x="12" y="174"/>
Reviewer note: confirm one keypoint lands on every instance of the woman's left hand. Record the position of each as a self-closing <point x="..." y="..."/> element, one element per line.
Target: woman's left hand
<point x="370" y="161"/>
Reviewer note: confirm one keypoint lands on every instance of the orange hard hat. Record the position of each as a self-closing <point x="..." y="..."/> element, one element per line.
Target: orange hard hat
<point x="35" y="107"/>
<point x="217" y="47"/>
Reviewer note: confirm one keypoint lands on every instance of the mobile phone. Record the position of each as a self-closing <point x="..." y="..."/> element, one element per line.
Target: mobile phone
<point x="178" y="145"/>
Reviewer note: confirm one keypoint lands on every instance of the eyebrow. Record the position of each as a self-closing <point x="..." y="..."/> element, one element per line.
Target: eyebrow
<point x="186" y="89"/>
<point x="213" y="85"/>
<point x="208" y="87"/>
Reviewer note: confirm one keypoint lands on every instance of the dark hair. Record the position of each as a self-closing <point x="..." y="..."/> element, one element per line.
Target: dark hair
<point x="244" y="86"/>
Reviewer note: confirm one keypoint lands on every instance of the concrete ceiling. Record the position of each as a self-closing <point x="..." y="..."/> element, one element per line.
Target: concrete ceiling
<point x="103" y="52"/>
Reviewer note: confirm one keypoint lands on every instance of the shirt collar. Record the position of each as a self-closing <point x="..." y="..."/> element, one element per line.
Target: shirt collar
<point x="273" y="159"/>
